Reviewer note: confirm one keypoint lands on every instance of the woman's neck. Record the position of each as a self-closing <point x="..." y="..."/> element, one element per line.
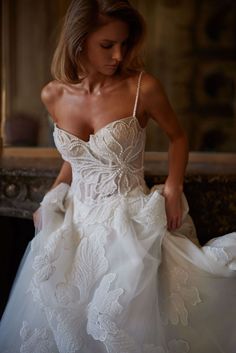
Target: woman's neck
<point x="96" y="83"/>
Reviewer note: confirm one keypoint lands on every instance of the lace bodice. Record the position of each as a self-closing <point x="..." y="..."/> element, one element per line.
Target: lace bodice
<point x="110" y="163"/>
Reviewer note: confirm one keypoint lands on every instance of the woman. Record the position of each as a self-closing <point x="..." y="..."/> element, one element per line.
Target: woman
<point x="112" y="268"/>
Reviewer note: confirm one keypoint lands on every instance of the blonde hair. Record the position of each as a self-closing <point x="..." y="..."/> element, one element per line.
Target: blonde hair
<point x="84" y="17"/>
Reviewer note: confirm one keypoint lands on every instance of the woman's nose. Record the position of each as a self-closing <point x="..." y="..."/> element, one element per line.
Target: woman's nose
<point x="117" y="53"/>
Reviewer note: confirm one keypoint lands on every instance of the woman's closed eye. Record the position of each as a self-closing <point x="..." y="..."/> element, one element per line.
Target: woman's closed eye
<point x="110" y="45"/>
<point x="106" y="46"/>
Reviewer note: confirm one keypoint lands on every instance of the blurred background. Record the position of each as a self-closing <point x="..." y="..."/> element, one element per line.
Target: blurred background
<point x="191" y="48"/>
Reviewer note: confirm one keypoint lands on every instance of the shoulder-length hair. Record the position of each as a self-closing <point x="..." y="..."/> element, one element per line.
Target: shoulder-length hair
<point x="82" y="18"/>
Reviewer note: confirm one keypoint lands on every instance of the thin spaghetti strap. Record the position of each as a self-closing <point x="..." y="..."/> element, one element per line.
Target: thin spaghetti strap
<point x="137" y="94"/>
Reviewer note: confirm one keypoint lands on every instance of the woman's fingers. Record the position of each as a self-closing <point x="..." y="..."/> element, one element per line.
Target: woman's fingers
<point x="173" y="223"/>
<point x="173" y="213"/>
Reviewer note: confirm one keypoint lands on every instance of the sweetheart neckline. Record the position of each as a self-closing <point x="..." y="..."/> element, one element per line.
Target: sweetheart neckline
<point x="102" y="128"/>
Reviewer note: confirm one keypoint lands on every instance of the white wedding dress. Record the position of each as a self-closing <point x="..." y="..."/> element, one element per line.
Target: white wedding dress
<point x="104" y="275"/>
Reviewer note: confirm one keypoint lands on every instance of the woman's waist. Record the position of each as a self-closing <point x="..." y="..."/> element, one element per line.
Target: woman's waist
<point x="99" y="188"/>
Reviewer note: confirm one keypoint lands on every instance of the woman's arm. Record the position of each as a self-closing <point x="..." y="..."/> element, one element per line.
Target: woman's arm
<point x="64" y="176"/>
<point x="49" y="96"/>
<point x="158" y="107"/>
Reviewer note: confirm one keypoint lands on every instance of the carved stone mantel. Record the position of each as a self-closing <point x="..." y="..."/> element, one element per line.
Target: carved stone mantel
<point x="210" y="185"/>
<point x="26" y="175"/>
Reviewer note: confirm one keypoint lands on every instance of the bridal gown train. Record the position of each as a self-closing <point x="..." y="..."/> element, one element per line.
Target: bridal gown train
<point x="105" y="275"/>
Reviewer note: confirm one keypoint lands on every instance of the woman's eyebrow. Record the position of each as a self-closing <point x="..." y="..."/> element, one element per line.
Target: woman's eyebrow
<point x="108" y="40"/>
<point x="113" y="41"/>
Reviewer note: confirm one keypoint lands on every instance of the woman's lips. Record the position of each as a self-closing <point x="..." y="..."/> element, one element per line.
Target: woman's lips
<point x="113" y="66"/>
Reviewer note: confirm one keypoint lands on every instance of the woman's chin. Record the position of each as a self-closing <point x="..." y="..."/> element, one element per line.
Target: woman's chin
<point x="110" y="70"/>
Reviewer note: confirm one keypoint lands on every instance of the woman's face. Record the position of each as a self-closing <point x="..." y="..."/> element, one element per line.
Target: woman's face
<point x="105" y="48"/>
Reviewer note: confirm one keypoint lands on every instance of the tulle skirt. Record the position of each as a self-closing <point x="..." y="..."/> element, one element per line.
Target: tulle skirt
<point x="109" y="277"/>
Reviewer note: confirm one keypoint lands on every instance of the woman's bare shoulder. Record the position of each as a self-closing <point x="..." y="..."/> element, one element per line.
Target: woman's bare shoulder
<point x="50" y="95"/>
<point x="152" y="91"/>
<point x="148" y="82"/>
<point x="151" y="84"/>
<point x="51" y="92"/>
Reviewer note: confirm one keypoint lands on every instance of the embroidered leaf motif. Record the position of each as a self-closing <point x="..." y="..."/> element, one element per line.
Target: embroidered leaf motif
<point x="103" y="309"/>
<point x="89" y="264"/>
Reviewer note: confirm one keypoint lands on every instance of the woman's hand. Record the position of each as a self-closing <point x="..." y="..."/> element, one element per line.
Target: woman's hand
<point x="174" y="209"/>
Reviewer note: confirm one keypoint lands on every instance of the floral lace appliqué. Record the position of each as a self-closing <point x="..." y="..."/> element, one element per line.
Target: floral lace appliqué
<point x="38" y="340"/>
<point x="102" y="314"/>
<point x="72" y="296"/>
<point x="182" y="295"/>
